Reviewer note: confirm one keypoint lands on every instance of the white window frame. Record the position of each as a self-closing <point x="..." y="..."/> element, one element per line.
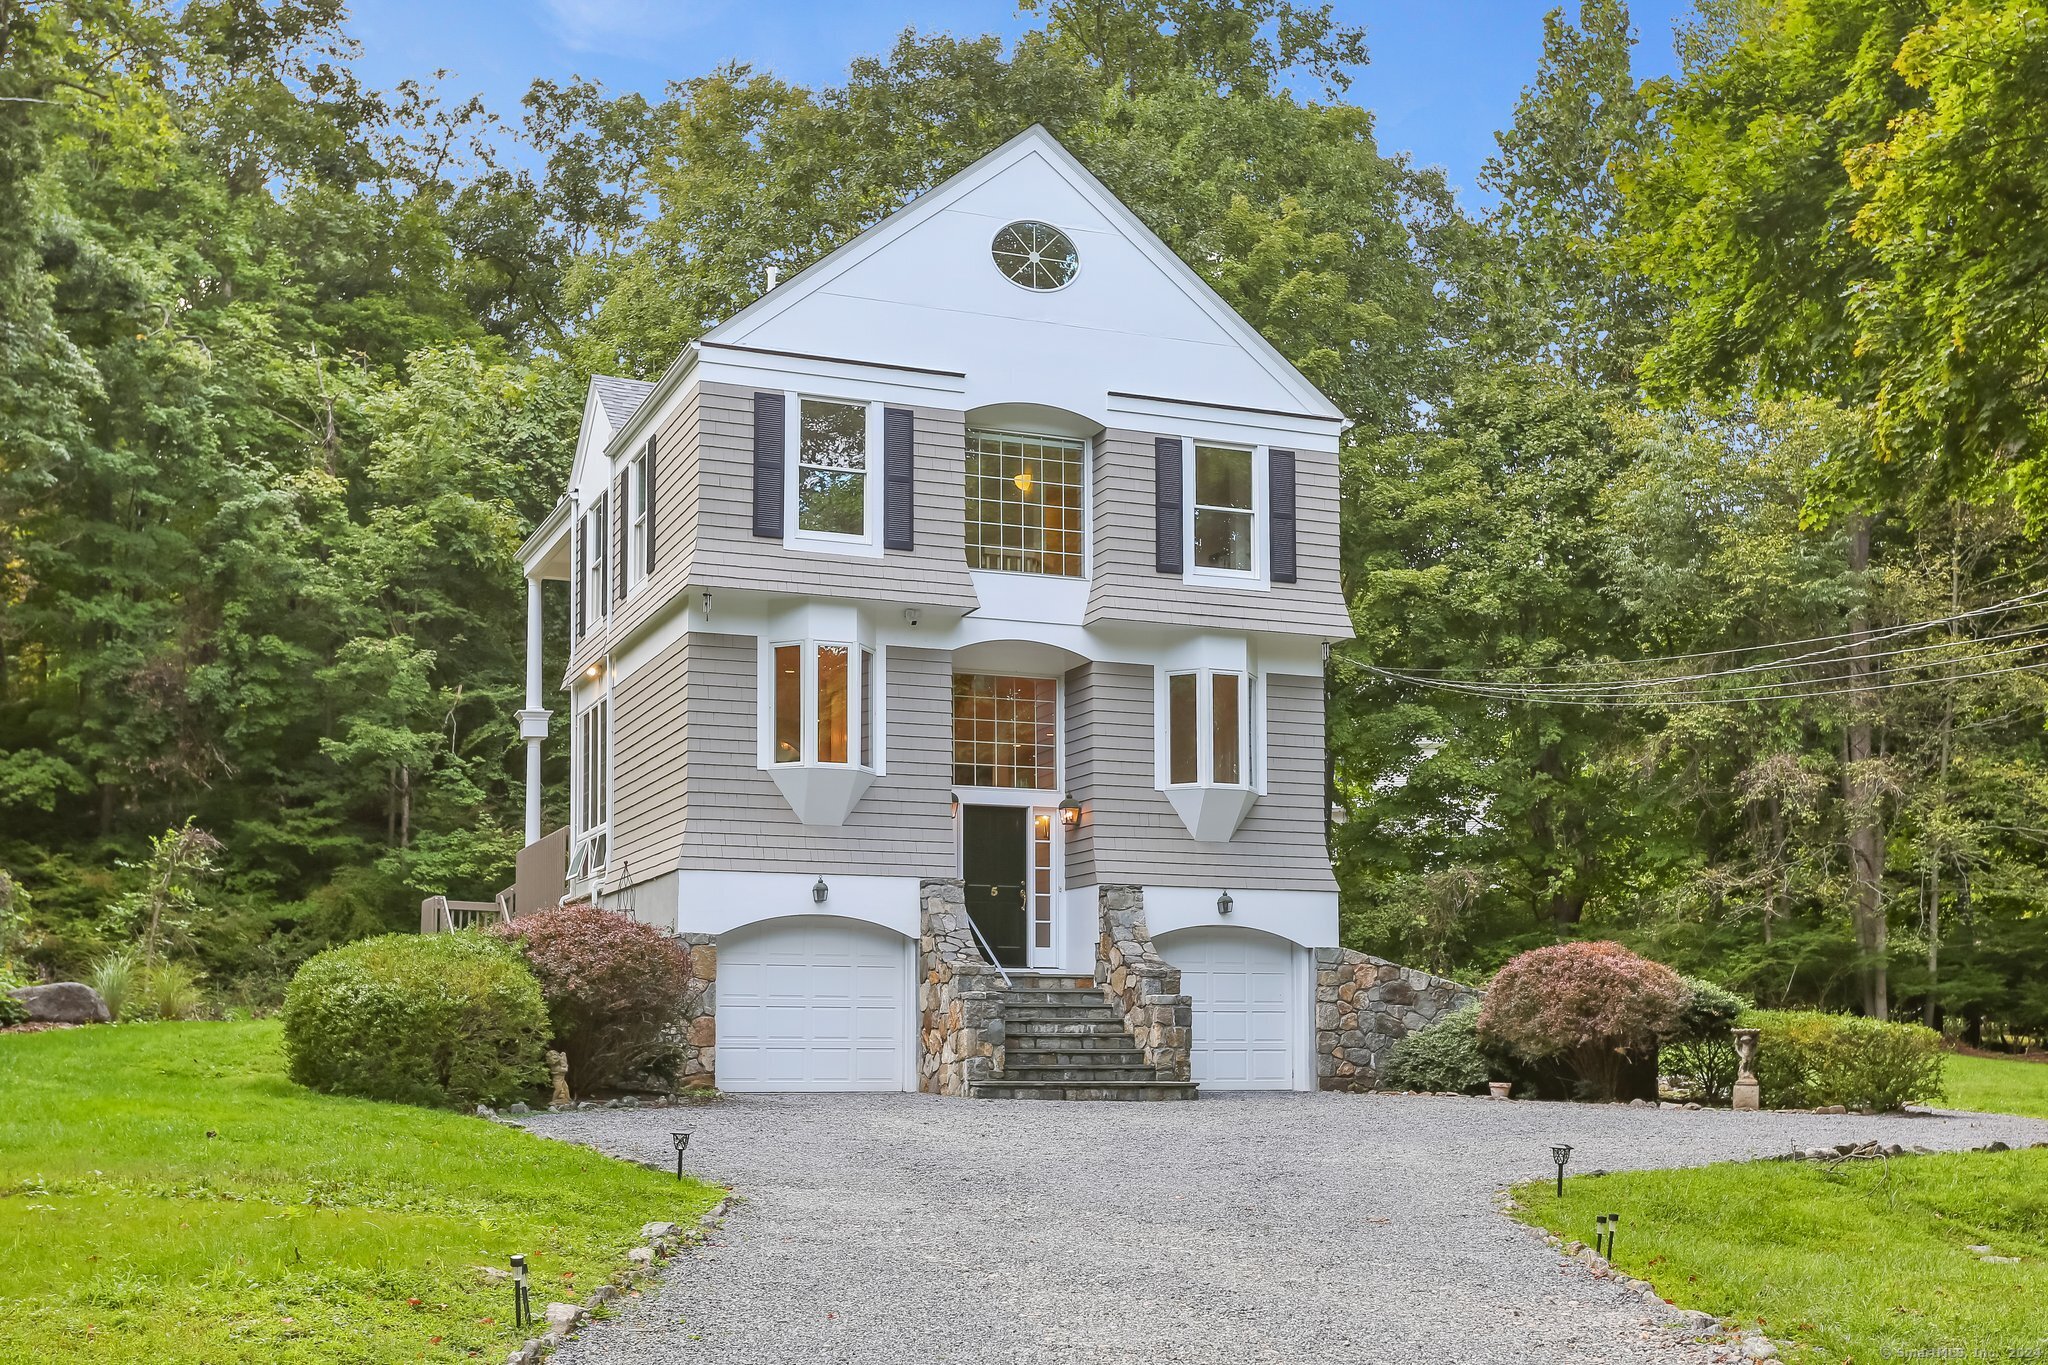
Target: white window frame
<point x="859" y="715"/>
<point x="794" y="537"/>
<point x="639" y="512"/>
<point x="1017" y="796"/>
<point x="596" y="567"/>
<point x="1258" y="576"/>
<point x="590" y="843"/>
<point x="1251" y="701"/>
<point x="1087" y="444"/>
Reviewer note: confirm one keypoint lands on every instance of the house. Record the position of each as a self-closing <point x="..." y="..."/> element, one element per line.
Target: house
<point x="947" y="667"/>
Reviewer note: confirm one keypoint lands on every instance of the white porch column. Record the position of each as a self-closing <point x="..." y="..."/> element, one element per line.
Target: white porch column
<point x="533" y="721"/>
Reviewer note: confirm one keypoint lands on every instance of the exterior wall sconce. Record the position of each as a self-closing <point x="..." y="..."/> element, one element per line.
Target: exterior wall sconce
<point x="707" y="607"/>
<point x="594" y="671"/>
<point x="911" y="617"/>
<point x="819" y="891"/>
<point x="1070" y="813"/>
<point x="1561" y="1153"/>
<point x="1224" y="904"/>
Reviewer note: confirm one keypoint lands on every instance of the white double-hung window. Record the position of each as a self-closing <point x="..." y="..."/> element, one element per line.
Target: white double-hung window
<point x="596" y="595"/>
<point x="590" y="795"/>
<point x="1223" y="512"/>
<point x="832" y="479"/>
<point x="640" y="517"/>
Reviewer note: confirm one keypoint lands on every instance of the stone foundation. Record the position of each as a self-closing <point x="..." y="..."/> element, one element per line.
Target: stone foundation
<point x="699" y="1070"/>
<point x="1141" y="985"/>
<point x="959" y="996"/>
<point x="1366" y="1004"/>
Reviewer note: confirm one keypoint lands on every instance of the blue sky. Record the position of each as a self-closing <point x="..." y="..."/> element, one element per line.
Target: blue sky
<point x="1444" y="73"/>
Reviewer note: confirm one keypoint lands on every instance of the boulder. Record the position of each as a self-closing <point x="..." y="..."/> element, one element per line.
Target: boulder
<point x="63" y="1002"/>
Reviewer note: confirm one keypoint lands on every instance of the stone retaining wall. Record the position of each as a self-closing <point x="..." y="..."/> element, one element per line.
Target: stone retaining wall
<point x="699" y="1070"/>
<point x="1366" y="1004"/>
<point x="959" y="995"/>
<point x="1141" y="985"/>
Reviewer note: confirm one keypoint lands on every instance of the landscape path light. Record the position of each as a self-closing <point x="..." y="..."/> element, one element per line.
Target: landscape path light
<point x="682" y="1141"/>
<point x="522" y="1307"/>
<point x="1560" y="1153"/>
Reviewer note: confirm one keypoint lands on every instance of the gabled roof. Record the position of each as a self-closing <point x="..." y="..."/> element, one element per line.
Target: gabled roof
<point x="1188" y="291"/>
<point x="621" y="397"/>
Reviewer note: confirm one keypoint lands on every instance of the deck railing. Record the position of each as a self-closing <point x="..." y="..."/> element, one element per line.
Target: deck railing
<point x="440" y="915"/>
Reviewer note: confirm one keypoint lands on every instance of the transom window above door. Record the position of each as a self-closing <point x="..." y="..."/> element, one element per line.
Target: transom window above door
<point x="1005" y="732"/>
<point x="1025" y="504"/>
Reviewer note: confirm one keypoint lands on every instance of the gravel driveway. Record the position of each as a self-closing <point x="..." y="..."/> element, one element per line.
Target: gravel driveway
<point x="1285" y="1228"/>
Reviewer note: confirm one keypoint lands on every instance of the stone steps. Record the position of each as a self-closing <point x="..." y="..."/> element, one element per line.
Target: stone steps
<point x="1054" y="997"/>
<point x="1084" y="1090"/>
<point x="1085" y="1073"/>
<point x="1063" y="1021"/>
<point x="1106" y="1046"/>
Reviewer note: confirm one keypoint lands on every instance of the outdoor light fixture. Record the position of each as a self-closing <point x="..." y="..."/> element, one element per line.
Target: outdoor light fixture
<point x="1561" y="1153"/>
<point x="1224" y="904"/>
<point x="819" y="891"/>
<point x="1603" y="1240"/>
<point x="1070" y="812"/>
<point x="707" y="606"/>
<point x="911" y="616"/>
<point x="681" y="1140"/>
<point x="522" y="1307"/>
<point x="593" y="670"/>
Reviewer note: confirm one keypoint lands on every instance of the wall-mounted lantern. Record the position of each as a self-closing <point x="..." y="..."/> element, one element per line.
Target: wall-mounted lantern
<point x="1070" y="813"/>
<point x="819" y="891"/>
<point x="1224" y="904"/>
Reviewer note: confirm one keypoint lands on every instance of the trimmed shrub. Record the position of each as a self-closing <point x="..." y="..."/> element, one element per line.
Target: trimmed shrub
<point x="614" y="989"/>
<point x="1702" y="1053"/>
<point x="1595" y="1007"/>
<point x="1806" y="1060"/>
<point x="439" y="1019"/>
<point x="1442" y="1055"/>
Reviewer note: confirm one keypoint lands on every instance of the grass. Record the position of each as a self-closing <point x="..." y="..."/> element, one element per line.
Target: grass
<point x="1866" y="1262"/>
<point x="167" y="1195"/>
<point x="1994" y="1085"/>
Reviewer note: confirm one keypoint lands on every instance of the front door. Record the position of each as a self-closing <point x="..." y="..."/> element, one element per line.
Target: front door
<point x="993" y="862"/>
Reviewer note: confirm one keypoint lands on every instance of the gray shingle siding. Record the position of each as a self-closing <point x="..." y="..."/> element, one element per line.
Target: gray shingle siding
<point x="1131" y="833"/>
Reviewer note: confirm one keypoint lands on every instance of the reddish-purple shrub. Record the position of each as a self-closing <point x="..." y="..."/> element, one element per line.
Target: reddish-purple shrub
<point x="1590" y="1006"/>
<point x="614" y="989"/>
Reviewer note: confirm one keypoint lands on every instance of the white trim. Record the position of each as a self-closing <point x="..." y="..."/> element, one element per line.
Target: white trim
<point x="639" y="521"/>
<point x="722" y="902"/>
<point x="858" y="712"/>
<point x="1251" y="759"/>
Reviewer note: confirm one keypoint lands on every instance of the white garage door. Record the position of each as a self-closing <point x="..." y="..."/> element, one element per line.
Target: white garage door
<point x="1242" y="984"/>
<point x="813" y="1004"/>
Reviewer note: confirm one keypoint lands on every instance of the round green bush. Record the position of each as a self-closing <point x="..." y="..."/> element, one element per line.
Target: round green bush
<point x="1805" y="1060"/>
<point x="1441" y="1055"/>
<point x="438" y="1019"/>
<point x="1702" y="1052"/>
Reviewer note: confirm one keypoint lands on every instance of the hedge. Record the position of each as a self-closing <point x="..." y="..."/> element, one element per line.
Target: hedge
<point x="1807" y="1060"/>
<point x="437" y="1019"/>
<point x="1442" y="1055"/>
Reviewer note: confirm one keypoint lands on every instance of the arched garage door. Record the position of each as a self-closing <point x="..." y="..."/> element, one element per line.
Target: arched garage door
<point x="814" y="1003"/>
<point x="1242" y="983"/>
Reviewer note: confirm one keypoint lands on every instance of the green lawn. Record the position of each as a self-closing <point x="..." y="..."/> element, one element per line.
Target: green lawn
<point x="167" y="1195"/>
<point x="1995" y="1085"/>
<point x="1861" y="1263"/>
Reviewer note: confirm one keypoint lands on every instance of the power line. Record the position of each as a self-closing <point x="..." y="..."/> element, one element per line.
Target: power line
<point x="1847" y="639"/>
<point x="1721" y="700"/>
<point x="1797" y="686"/>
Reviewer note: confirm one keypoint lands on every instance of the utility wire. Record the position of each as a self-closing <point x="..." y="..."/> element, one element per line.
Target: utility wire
<point x="1656" y="701"/>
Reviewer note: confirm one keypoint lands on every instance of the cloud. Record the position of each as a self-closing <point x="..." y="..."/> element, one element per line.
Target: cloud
<point x="628" y="28"/>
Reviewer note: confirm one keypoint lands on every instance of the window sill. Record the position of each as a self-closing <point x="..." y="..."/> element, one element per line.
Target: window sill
<point x="819" y="793"/>
<point x="818" y="543"/>
<point x="1225" y="578"/>
<point x="1211" y="813"/>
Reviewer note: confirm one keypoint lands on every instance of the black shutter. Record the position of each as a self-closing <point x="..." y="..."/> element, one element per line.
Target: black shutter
<point x="768" y="454"/>
<point x="1166" y="458"/>
<point x="899" y="479"/>
<point x="576" y="568"/>
<point x="648" y="482"/>
<point x="1280" y="487"/>
<point x="619" y="539"/>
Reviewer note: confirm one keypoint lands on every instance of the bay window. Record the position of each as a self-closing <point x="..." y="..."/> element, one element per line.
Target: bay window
<point x="823" y="705"/>
<point x="1208" y="740"/>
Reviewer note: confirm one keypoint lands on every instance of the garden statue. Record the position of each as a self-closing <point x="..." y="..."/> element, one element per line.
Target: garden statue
<point x="558" y="1067"/>
<point x="1748" y="1095"/>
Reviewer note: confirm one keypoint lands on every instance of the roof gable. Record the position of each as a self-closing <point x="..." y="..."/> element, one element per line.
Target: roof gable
<point x="919" y="289"/>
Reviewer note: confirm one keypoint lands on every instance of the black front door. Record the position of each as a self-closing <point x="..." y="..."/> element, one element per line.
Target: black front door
<point x="992" y="860"/>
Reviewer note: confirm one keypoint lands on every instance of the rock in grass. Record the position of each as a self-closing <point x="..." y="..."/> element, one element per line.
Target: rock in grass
<point x="62" y="1002"/>
<point x="654" y="1232"/>
<point x="518" y="1107"/>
